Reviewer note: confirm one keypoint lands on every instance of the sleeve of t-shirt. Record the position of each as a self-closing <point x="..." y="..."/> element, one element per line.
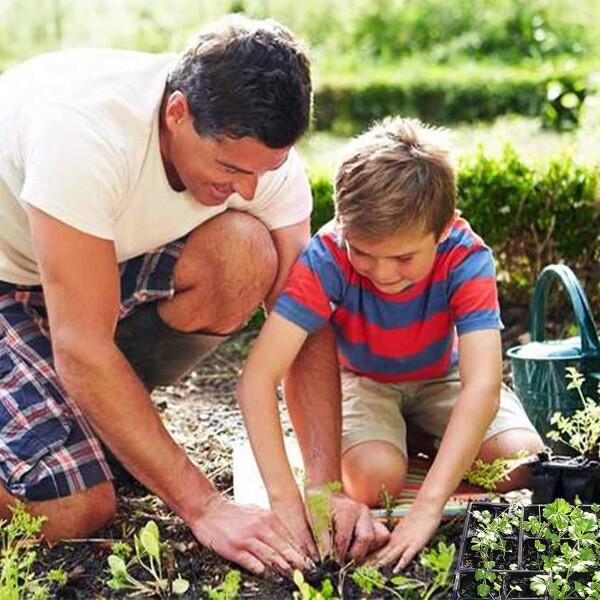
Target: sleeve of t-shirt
<point x="313" y="288"/>
<point x="283" y="197"/>
<point x="473" y="292"/>
<point x="71" y="171"/>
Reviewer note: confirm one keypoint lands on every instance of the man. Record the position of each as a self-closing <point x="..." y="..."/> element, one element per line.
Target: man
<point x="149" y="204"/>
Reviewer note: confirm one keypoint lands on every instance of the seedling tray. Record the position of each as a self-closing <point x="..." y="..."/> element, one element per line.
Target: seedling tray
<point x="565" y="477"/>
<point x="520" y="561"/>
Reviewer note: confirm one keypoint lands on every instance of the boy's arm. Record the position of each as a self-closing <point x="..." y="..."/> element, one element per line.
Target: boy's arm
<point x="273" y="352"/>
<point x="480" y="366"/>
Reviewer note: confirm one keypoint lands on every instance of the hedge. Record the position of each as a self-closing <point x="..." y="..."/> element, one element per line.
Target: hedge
<point x="346" y="105"/>
<point x="530" y="216"/>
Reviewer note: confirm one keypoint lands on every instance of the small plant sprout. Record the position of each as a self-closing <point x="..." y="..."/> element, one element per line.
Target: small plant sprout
<point x="146" y="557"/>
<point x="489" y="475"/>
<point x="228" y="589"/>
<point x="17" y="558"/>
<point x="306" y="591"/>
<point x="388" y="504"/>
<point x="318" y="502"/>
<point x="581" y="430"/>
<point x="439" y="562"/>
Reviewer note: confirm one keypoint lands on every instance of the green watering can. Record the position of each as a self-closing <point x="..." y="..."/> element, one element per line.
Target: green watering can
<point x="539" y="368"/>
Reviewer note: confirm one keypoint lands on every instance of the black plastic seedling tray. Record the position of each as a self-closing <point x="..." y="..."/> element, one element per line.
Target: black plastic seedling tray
<point x="565" y="477"/>
<point x="517" y="567"/>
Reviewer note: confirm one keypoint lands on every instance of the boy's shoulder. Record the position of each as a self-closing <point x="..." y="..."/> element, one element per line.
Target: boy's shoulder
<point x="461" y="236"/>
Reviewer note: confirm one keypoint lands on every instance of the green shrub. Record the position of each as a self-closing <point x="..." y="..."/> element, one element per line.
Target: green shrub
<point x="346" y="105"/>
<point x="530" y="216"/>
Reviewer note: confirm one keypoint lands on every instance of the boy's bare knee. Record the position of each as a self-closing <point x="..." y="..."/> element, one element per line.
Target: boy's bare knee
<point x="371" y="467"/>
<point x="508" y="444"/>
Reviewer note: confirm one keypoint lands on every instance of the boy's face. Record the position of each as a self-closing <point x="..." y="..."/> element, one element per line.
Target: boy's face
<point x="394" y="262"/>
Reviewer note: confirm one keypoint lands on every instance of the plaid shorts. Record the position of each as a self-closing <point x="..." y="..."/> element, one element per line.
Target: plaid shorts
<point x="47" y="448"/>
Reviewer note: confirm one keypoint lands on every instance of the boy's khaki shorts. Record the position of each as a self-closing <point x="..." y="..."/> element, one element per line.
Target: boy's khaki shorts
<point x="374" y="411"/>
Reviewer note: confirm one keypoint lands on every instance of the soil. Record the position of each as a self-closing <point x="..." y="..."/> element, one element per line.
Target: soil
<point x="202" y="416"/>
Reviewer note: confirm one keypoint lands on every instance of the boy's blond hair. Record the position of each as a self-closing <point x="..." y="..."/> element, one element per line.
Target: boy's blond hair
<point x="396" y="175"/>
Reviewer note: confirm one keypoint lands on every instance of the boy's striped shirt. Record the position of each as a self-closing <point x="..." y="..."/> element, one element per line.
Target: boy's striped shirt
<point x="395" y="337"/>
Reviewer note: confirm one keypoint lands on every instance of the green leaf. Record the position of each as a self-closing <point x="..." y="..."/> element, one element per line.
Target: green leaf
<point x="117" y="565"/>
<point x="149" y="538"/>
<point x="483" y="589"/>
<point x="180" y="586"/>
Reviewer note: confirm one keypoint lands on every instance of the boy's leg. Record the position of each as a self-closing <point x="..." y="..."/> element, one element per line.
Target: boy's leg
<point x="373" y="440"/>
<point x="510" y="432"/>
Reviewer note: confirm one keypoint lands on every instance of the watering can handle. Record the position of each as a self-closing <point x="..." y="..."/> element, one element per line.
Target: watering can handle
<point x="590" y="345"/>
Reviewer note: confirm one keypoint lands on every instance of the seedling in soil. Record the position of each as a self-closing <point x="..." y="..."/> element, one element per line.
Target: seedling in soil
<point x="307" y="592"/>
<point x="581" y="430"/>
<point x="489" y="475"/>
<point x="228" y="589"/>
<point x="318" y="502"/>
<point x="146" y="556"/>
<point x="17" y="538"/>
<point x="439" y="561"/>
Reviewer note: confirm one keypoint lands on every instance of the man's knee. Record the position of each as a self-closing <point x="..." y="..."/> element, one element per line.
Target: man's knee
<point x="227" y="268"/>
<point x="79" y="515"/>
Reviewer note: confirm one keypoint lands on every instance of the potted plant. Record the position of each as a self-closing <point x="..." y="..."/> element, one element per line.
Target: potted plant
<point x="571" y="477"/>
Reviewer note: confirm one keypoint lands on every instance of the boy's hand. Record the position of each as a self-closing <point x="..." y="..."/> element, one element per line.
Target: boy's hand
<point x="292" y="513"/>
<point x="410" y="535"/>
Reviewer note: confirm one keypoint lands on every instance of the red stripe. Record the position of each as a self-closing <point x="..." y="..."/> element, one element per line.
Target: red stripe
<point x="397" y="342"/>
<point x="475" y="294"/>
<point x="305" y="287"/>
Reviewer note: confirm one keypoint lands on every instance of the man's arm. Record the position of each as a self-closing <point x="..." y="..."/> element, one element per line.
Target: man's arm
<point x="81" y="286"/>
<point x="480" y="366"/>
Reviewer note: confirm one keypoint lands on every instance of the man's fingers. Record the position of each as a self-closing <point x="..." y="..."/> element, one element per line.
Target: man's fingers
<point x="249" y="562"/>
<point x="364" y="536"/>
<point x="382" y="535"/>
<point x="269" y="557"/>
<point x="285" y="549"/>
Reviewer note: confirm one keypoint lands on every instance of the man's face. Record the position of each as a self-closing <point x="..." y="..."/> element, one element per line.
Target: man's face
<point x="394" y="262"/>
<point x="211" y="169"/>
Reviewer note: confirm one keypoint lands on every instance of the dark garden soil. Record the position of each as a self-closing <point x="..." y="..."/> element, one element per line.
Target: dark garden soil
<point x="202" y="416"/>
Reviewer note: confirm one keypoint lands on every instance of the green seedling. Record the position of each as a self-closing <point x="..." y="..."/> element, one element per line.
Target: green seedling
<point x="17" y="558"/>
<point x="145" y="557"/>
<point x="318" y="502"/>
<point x="439" y="562"/>
<point x="228" y="589"/>
<point x="308" y="592"/>
<point x="388" y="505"/>
<point x="489" y="475"/>
<point x="581" y="430"/>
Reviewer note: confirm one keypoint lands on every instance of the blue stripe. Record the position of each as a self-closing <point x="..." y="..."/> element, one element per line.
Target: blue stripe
<point x="320" y="261"/>
<point x="478" y="319"/>
<point x="361" y="358"/>
<point x="297" y="313"/>
<point x="476" y="265"/>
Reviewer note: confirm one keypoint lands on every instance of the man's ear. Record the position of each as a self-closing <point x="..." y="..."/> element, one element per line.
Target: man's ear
<point x="176" y="108"/>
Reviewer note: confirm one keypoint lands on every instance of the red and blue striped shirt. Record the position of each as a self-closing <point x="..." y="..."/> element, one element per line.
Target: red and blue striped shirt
<point x="406" y="336"/>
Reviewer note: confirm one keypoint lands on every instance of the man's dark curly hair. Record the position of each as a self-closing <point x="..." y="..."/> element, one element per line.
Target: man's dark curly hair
<point x="244" y="77"/>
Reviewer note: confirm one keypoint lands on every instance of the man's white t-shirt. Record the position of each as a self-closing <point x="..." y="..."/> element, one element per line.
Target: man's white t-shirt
<point x="79" y="140"/>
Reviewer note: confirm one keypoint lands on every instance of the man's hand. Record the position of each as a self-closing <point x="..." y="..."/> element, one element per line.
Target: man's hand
<point x="357" y="533"/>
<point x="292" y="512"/>
<point x="409" y="536"/>
<point x="254" y="538"/>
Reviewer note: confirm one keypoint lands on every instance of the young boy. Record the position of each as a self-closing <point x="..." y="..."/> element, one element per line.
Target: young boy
<point x="410" y="291"/>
